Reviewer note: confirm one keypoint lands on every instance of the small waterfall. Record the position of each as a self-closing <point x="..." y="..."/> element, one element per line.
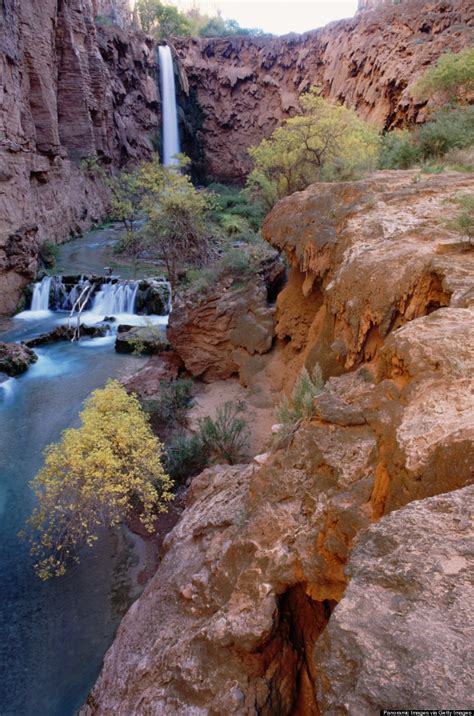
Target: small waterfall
<point x="114" y="298"/>
<point x="169" y="107"/>
<point x="40" y="299"/>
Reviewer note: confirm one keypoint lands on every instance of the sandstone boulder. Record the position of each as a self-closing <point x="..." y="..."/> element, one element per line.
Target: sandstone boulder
<point x="210" y="334"/>
<point x="159" y="368"/>
<point x="15" y="359"/>
<point x="400" y="636"/>
<point x="141" y="339"/>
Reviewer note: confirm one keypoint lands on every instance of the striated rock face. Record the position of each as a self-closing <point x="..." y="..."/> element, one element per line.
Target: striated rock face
<point x="214" y="336"/>
<point x="247" y="86"/>
<point x="70" y="92"/>
<point x="399" y="634"/>
<point x="368" y="257"/>
<point x="235" y="617"/>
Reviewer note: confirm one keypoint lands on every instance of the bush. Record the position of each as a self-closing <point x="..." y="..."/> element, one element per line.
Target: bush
<point x="171" y="406"/>
<point x="398" y="150"/>
<point x="226" y="436"/>
<point x="97" y="475"/>
<point x="326" y="142"/>
<point x="237" y="263"/>
<point x="290" y="413"/>
<point x="49" y="254"/>
<point x="230" y="201"/>
<point x="447" y="130"/>
<point x="450" y="80"/>
<point x="185" y="456"/>
<point x="464" y="221"/>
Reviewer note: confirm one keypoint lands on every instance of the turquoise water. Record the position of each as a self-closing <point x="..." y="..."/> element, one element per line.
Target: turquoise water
<point x="53" y="635"/>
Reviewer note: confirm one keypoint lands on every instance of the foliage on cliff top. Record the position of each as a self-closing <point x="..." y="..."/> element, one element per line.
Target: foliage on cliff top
<point x="326" y="142"/>
<point x="449" y="81"/>
<point x="95" y="477"/>
<point x="164" y="21"/>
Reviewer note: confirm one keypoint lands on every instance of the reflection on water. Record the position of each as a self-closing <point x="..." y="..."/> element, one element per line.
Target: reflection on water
<point x="53" y="635"/>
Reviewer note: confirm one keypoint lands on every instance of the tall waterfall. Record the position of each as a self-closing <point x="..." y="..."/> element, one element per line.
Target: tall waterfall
<point x="40" y="299"/>
<point x="114" y="298"/>
<point x="169" y="107"/>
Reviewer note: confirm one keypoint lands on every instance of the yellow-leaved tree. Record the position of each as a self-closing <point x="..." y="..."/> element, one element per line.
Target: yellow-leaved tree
<point x="96" y="476"/>
<point x="326" y="142"/>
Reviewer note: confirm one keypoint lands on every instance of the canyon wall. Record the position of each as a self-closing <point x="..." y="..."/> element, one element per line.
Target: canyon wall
<point x="245" y="86"/>
<point x="71" y="94"/>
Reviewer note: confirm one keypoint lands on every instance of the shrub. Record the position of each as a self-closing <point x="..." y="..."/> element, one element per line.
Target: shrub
<point x="185" y="456"/>
<point x="398" y="150"/>
<point x="450" y="80"/>
<point x="49" y="254"/>
<point x="171" y="406"/>
<point x="226" y="435"/>
<point x="230" y="201"/>
<point x="97" y="475"/>
<point x="464" y="221"/>
<point x="326" y="141"/>
<point x="447" y="130"/>
<point x="236" y="262"/>
<point x="290" y="413"/>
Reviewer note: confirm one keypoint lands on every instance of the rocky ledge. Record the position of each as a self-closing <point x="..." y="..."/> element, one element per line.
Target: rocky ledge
<point x="218" y="333"/>
<point x="253" y="609"/>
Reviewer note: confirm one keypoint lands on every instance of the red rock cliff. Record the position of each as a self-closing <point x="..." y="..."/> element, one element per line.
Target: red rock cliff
<point x="247" y="86"/>
<point x="69" y="91"/>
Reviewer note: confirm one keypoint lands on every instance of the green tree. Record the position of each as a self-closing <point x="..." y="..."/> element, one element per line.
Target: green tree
<point x="175" y="231"/>
<point x="96" y="476"/>
<point x="327" y="141"/>
<point x="449" y="81"/>
<point x="162" y="20"/>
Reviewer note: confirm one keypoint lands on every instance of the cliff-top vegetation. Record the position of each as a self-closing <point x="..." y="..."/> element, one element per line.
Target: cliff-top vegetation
<point x="164" y="21"/>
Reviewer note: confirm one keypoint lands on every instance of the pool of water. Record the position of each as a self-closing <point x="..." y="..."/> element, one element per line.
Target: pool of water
<point x="96" y="251"/>
<point x="54" y="634"/>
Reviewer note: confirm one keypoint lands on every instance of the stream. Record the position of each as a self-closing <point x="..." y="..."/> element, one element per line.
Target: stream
<point x="54" y="634"/>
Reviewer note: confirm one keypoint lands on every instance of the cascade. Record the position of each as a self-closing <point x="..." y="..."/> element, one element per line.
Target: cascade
<point x="169" y="107"/>
<point x="106" y="297"/>
<point x="40" y="299"/>
<point x="116" y="298"/>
